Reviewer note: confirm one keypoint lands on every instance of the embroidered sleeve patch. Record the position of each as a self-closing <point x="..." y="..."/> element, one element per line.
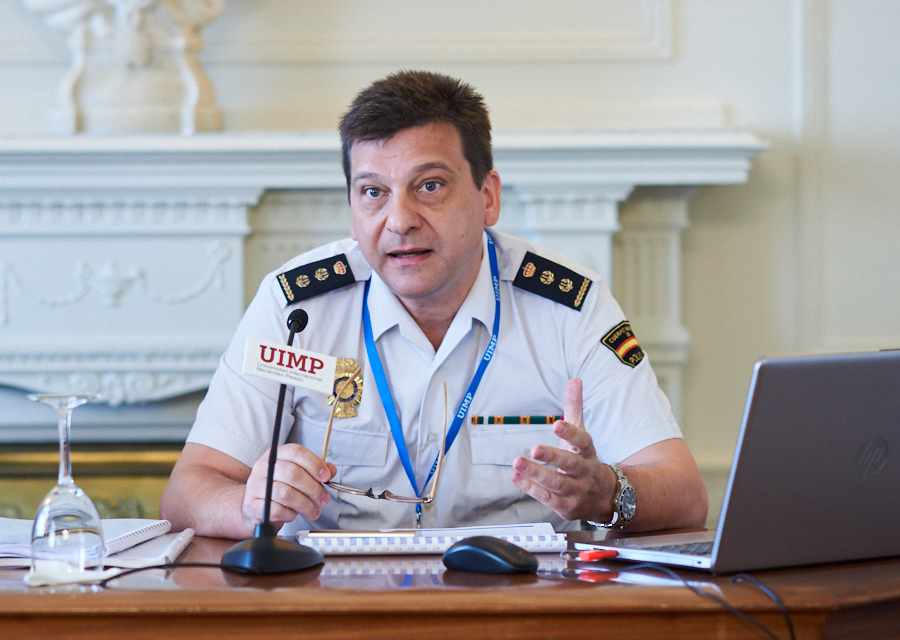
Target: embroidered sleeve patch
<point x="316" y="278"/>
<point x="550" y="280"/>
<point x="621" y="341"/>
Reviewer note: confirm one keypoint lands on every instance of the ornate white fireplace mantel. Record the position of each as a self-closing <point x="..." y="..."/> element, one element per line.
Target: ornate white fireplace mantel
<point x="126" y="262"/>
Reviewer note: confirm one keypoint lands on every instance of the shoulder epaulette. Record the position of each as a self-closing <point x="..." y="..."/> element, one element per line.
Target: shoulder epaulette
<point x="551" y="280"/>
<point x="316" y="278"/>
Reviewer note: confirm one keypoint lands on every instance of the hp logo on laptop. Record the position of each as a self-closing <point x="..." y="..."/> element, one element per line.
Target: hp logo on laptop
<point x="871" y="457"/>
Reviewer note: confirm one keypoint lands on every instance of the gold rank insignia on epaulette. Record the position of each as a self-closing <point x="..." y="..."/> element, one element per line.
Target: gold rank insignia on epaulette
<point x="550" y="280"/>
<point x="621" y="341"/>
<point x="315" y="278"/>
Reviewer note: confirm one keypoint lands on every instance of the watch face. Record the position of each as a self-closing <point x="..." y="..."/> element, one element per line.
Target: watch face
<point x="627" y="504"/>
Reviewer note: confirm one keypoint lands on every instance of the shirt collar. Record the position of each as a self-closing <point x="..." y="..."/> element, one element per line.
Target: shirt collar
<point x="479" y="304"/>
<point x="386" y="311"/>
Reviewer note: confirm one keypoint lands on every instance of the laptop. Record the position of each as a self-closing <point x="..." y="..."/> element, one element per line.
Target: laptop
<point x="815" y="476"/>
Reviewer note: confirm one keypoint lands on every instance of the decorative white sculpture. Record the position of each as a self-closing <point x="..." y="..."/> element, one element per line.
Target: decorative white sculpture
<point x="134" y="66"/>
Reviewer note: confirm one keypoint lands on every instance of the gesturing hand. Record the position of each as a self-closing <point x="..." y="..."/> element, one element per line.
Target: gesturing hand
<point x="580" y="487"/>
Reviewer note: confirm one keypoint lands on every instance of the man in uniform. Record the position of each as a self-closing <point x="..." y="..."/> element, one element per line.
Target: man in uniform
<point x="422" y="294"/>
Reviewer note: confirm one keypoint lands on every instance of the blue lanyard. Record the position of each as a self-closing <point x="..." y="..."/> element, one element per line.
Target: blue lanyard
<point x="385" y="392"/>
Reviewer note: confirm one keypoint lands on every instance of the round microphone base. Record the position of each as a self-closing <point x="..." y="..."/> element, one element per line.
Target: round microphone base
<point x="266" y="553"/>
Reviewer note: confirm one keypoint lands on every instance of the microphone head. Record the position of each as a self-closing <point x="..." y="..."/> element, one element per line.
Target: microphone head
<point x="298" y="320"/>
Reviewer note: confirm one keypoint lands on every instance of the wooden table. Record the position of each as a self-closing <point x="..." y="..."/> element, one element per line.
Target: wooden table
<point x="413" y="597"/>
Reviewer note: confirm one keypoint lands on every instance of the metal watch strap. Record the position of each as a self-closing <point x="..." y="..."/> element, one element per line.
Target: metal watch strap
<point x="618" y="517"/>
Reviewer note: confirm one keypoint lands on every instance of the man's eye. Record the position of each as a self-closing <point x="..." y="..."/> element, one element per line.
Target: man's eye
<point x="372" y="192"/>
<point x="430" y="186"/>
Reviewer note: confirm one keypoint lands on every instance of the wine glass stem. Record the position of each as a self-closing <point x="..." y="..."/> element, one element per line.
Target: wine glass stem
<point x="65" y="429"/>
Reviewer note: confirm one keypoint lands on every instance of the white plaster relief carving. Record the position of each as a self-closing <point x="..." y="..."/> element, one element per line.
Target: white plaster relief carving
<point x="110" y="284"/>
<point x="9" y="278"/>
<point x="153" y="358"/>
<point x="120" y="376"/>
<point x="117" y="388"/>
<point x="552" y="209"/>
<point x="134" y="65"/>
<point x="288" y="223"/>
<point x="313" y="210"/>
<point x="577" y="221"/>
<point x="86" y="215"/>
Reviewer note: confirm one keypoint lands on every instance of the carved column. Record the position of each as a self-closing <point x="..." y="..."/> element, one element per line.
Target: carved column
<point x="647" y="279"/>
<point x="574" y="220"/>
<point x="134" y="66"/>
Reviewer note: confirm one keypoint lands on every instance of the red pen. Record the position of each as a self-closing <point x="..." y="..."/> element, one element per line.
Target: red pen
<point x="593" y="555"/>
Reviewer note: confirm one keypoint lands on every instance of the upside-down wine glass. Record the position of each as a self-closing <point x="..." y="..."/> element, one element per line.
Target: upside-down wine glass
<point x="67" y="534"/>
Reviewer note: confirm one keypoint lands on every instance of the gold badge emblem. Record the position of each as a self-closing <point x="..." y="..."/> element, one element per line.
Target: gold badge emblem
<point x="340" y="268"/>
<point x="529" y="270"/>
<point x="565" y="285"/>
<point x="321" y="274"/>
<point x="547" y="277"/>
<point x="303" y="281"/>
<point x="352" y="395"/>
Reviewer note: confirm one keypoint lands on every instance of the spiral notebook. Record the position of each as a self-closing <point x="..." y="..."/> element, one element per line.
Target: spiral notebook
<point x="119" y="534"/>
<point x="534" y="537"/>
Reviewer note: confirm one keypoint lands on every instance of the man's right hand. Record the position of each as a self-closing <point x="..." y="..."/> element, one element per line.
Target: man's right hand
<point x="220" y="497"/>
<point x="297" y="488"/>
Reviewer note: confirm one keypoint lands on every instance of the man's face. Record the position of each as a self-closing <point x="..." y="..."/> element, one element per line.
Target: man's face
<point x="417" y="214"/>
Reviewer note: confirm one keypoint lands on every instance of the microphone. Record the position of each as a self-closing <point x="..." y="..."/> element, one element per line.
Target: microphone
<point x="266" y="553"/>
<point x="297" y="322"/>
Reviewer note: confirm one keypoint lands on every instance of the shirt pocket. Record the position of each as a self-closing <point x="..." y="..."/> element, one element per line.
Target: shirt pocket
<point x="500" y="444"/>
<point x="493" y="495"/>
<point x="360" y="456"/>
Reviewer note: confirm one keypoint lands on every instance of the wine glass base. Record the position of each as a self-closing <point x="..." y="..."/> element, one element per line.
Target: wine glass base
<point x="67" y="534"/>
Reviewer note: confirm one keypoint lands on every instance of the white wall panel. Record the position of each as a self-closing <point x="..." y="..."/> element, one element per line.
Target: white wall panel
<point x="851" y="268"/>
<point x="396" y="31"/>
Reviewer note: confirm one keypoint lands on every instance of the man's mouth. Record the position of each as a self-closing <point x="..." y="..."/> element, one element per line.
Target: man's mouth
<point x="408" y="254"/>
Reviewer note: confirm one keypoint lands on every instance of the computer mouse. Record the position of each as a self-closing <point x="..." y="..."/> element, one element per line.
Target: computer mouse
<point x="486" y="554"/>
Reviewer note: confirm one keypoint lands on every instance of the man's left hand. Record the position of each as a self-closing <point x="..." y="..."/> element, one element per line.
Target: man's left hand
<point x="580" y="487"/>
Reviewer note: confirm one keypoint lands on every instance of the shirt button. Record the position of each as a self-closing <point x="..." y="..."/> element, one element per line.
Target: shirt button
<point x="432" y="437"/>
<point x="329" y="454"/>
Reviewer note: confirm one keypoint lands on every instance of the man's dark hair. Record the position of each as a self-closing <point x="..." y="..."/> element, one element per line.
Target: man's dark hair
<point x="414" y="98"/>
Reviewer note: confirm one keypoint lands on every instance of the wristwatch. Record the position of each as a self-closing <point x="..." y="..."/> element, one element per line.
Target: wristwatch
<point x="624" y="503"/>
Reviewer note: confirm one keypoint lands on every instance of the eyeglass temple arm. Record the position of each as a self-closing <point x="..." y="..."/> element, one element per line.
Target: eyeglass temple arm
<point x="337" y="396"/>
<point x="440" y="462"/>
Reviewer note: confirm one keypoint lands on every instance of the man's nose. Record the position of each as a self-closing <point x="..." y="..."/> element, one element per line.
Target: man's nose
<point x="403" y="214"/>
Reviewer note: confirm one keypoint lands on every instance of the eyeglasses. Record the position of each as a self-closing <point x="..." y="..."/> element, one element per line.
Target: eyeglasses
<point x="384" y="495"/>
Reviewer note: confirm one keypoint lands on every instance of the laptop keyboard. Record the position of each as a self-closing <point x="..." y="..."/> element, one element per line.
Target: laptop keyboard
<point x="687" y="548"/>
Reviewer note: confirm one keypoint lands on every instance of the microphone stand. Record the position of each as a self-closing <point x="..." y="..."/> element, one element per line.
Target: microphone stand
<point x="266" y="553"/>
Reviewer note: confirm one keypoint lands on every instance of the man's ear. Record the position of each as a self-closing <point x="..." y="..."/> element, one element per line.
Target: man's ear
<point x="490" y="190"/>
